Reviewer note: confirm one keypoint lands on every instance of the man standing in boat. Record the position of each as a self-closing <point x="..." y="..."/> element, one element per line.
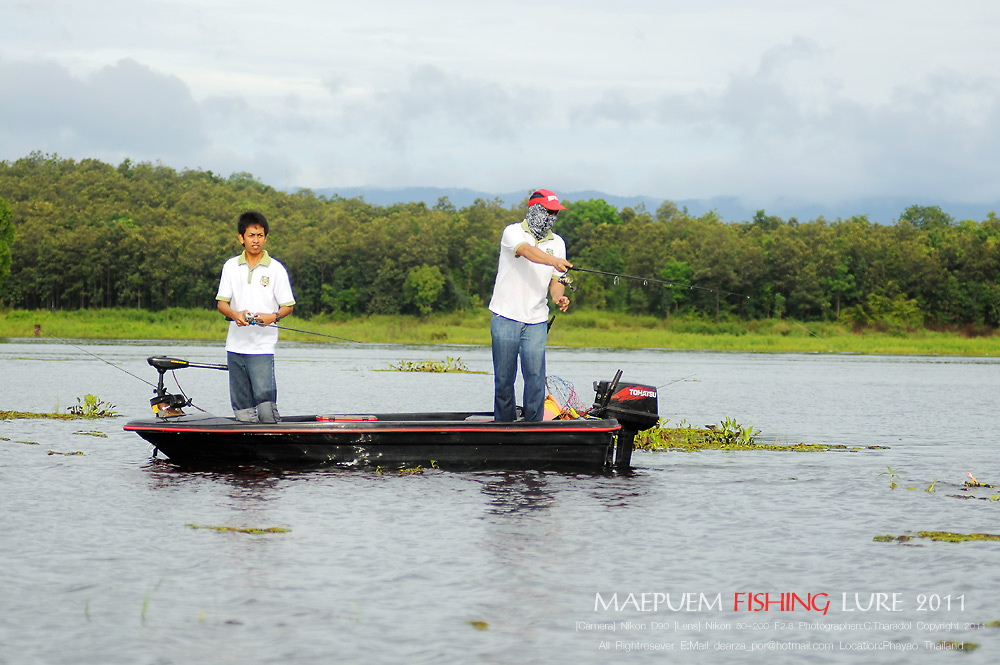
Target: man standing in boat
<point x="255" y="293"/>
<point x="532" y="259"/>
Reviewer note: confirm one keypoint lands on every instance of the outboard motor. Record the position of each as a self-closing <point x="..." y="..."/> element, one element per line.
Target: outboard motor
<point x="164" y="404"/>
<point x="633" y="405"/>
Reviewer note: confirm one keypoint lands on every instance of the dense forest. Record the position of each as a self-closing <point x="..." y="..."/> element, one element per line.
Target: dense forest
<point x="86" y="234"/>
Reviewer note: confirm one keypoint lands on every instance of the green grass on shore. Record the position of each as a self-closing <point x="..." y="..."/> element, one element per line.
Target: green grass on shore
<point x="573" y="329"/>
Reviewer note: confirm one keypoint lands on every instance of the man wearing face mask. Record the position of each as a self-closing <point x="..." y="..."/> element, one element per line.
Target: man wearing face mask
<point x="532" y="259"/>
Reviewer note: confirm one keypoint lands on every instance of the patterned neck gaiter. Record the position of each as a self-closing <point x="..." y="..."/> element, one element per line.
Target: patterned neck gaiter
<point x="539" y="221"/>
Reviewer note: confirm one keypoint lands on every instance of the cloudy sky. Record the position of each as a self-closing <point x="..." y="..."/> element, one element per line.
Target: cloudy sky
<point x="677" y="99"/>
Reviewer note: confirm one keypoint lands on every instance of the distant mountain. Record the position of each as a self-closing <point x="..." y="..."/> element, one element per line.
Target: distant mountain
<point x="884" y="210"/>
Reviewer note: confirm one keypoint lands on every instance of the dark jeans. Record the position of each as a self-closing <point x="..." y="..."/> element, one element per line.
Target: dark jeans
<point x="252" y="388"/>
<point x="511" y="340"/>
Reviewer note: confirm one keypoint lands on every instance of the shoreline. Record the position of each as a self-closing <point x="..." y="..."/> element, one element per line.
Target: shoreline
<point x="581" y="329"/>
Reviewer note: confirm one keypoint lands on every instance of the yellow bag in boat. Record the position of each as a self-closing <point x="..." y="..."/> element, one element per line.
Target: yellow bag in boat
<point x="552" y="410"/>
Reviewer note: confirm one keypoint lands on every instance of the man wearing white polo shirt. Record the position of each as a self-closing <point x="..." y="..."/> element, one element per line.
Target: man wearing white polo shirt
<point x="532" y="259"/>
<point x="255" y="293"/>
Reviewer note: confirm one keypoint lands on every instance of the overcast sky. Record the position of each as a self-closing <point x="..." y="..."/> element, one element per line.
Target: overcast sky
<point x="814" y="100"/>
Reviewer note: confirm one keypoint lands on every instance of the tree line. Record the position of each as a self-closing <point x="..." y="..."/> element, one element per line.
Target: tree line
<point x="87" y="234"/>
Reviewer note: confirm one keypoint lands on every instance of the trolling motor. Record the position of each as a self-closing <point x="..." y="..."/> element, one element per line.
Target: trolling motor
<point x="633" y="405"/>
<point x="166" y="404"/>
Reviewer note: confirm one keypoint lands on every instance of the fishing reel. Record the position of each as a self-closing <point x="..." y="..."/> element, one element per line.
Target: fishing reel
<point x="567" y="280"/>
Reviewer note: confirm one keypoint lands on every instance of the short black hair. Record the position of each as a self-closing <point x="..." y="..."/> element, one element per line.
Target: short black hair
<point x="249" y="218"/>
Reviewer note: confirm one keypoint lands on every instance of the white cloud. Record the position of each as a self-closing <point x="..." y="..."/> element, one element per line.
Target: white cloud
<point x="671" y="98"/>
<point x="121" y="109"/>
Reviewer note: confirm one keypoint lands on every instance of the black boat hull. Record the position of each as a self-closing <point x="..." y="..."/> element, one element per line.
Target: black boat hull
<point x="448" y="440"/>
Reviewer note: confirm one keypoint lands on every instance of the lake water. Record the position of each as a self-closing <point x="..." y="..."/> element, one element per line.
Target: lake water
<point x="98" y="563"/>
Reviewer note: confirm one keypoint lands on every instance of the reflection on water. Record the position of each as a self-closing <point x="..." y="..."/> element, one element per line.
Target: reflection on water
<point x="514" y="492"/>
<point x="99" y="564"/>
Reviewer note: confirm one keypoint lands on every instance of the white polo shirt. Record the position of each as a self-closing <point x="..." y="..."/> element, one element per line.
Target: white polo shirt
<point x="521" y="290"/>
<point x="260" y="291"/>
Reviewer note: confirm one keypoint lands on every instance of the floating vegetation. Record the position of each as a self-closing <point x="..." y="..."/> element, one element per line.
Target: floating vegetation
<point x="88" y="407"/>
<point x="241" y="529"/>
<point x="56" y="452"/>
<point x="994" y="498"/>
<point x="929" y="489"/>
<point x="947" y="536"/>
<point x="888" y="538"/>
<point x="940" y="536"/>
<point x="28" y="443"/>
<point x="91" y="407"/>
<point x="92" y="432"/>
<point x="438" y="366"/>
<point x="15" y="415"/>
<point x="417" y="469"/>
<point x="478" y="625"/>
<point x="728" y="435"/>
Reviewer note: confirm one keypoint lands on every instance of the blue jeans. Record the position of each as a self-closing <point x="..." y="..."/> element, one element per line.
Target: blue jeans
<point x="252" y="388"/>
<point x="512" y="339"/>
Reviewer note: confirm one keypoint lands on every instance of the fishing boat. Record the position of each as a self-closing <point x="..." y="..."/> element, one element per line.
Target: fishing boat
<point x="601" y="440"/>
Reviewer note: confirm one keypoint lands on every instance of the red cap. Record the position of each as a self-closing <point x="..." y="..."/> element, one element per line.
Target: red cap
<point x="546" y="198"/>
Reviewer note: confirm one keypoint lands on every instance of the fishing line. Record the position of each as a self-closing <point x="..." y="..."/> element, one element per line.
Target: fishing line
<point x="670" y="383"/>
<point x="173" y="374"/>
<point x="650" y="280"/>
<point x="830" y="346"/>
<point x="107" y="362"/>
<point x="565" y="279"/>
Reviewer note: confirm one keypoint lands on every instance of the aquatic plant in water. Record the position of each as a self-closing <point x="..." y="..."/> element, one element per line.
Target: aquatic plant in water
<point x="145" y="601"/>
<point x="892" y="476"/>
<point x="14" y="415"/>
<point x="940" y="536"/>
<point x="728" y="435"/>
<point x="448" y="365"/>
<point x="240" y="529"/>
<point x="91" y="407"/>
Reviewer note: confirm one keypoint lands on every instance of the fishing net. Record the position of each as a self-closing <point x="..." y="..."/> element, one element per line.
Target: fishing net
<point x="563" y="402"/>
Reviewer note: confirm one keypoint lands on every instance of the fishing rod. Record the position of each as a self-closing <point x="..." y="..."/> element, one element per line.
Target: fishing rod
<point x="252" y="320"/>
<point x="652" y="280"/>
